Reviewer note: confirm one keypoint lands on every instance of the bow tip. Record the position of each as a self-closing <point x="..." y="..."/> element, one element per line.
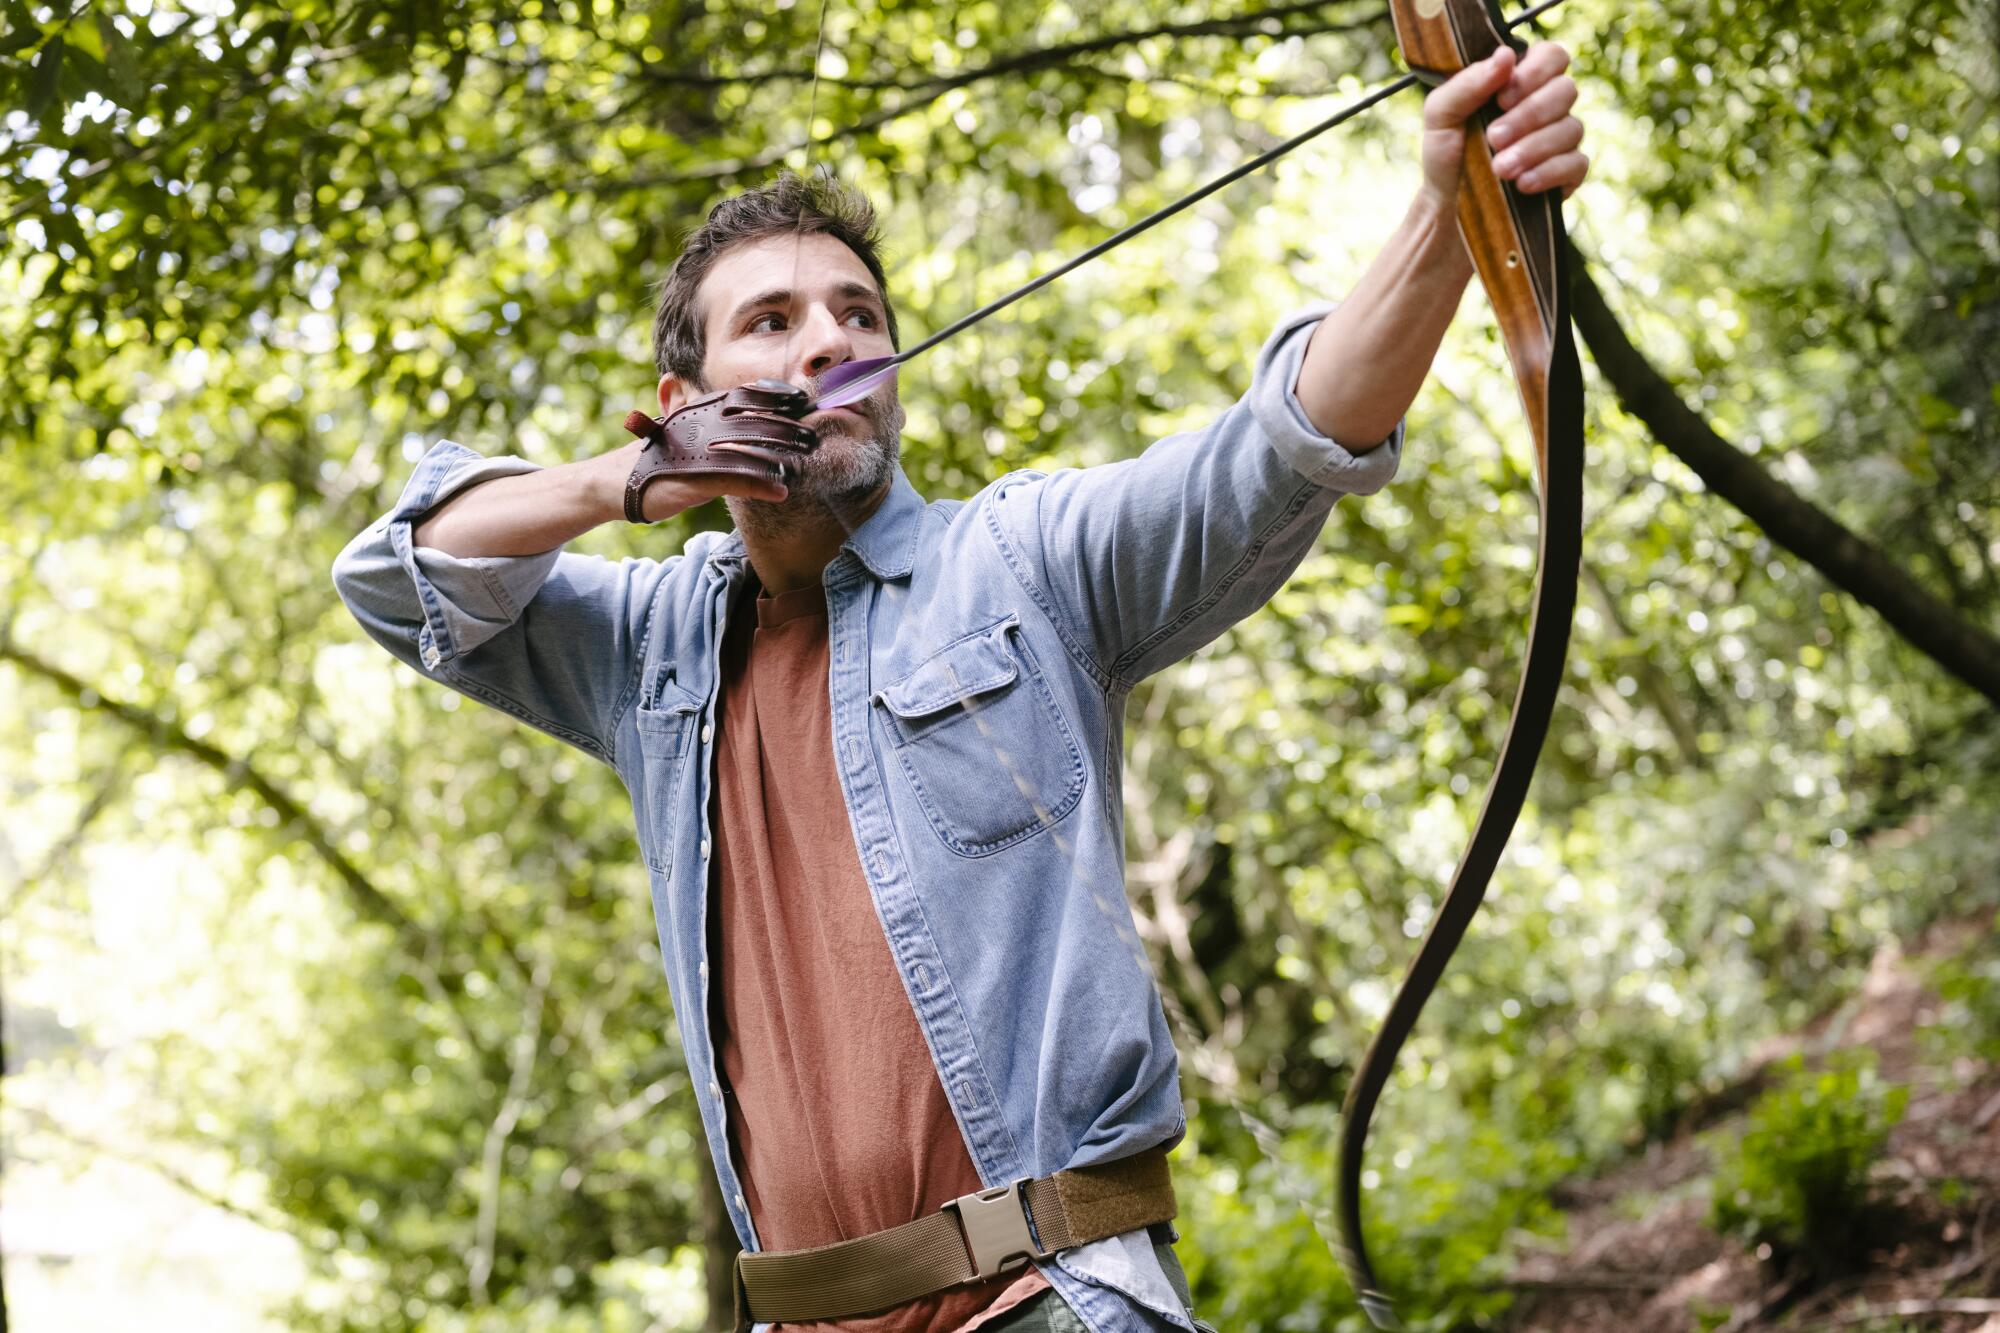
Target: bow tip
<point x="1380" y="1310"/>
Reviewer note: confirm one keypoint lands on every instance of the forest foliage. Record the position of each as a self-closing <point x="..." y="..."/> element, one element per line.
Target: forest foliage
<point x="377" y="967"/>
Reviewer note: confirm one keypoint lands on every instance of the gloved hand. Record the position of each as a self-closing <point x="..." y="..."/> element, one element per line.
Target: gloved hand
<point x="753" y="430"/>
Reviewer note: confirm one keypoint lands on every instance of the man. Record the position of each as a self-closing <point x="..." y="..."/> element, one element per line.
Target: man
<point x="873" y="743"/>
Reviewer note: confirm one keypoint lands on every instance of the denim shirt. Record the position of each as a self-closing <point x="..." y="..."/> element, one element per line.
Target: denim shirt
<point x="981" y="653"/>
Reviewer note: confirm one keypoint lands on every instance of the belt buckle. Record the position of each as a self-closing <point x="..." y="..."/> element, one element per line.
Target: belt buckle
<point x="995" y="1226"/>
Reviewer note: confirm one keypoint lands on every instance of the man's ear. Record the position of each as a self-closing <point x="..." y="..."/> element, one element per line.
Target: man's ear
<point x="675" y="394"/>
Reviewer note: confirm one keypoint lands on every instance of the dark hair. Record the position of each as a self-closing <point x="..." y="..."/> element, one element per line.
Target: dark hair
<point x="791" y="205"/>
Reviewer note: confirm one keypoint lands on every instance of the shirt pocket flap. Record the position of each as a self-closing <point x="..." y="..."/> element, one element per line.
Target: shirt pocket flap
<point x="669" y="706"/>
<point x="974" y="665"/>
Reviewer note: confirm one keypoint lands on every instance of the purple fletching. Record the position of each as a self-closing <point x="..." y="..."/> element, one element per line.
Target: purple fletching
<point x="851" y="381"/>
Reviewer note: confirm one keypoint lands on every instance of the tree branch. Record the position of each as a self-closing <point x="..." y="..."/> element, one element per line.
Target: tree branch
<point x="180" y="1180"/>
<point x="109" y="787"/>
<point x="1257" y="22"/>
<point x="1864" y="1314"/>
<point x="527" y="1043"/>
<point x="925" y="92"/>
<point x="1847" y="560"/>
<point x="416" y="945"/>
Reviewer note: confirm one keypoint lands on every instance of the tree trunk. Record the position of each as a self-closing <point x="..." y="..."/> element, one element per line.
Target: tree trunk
<point x="1796" y="524"/>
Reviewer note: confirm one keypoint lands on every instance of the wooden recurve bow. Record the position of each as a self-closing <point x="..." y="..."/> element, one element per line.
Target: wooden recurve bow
<point x="1521" y="251"/>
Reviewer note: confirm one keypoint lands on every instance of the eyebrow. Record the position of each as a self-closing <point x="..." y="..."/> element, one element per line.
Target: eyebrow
<point x="782" y="296"/>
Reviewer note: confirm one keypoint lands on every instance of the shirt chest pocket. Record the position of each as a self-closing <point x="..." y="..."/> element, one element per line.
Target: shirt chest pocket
<point x="982" y="742"/>
<point x="666" y="731"/>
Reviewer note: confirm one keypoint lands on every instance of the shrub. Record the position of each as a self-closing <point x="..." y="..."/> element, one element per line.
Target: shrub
<point x="1970" y="1023"/>
<point x="1797" y="1179"/>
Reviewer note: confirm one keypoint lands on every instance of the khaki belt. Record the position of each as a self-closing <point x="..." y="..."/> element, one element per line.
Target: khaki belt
<point x="974" y="1236"/>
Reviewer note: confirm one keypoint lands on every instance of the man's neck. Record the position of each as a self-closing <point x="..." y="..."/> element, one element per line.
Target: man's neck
<point x="790" y="545"/>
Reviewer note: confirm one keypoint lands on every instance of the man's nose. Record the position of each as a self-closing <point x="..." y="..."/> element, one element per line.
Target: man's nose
<point x="823" y="343"/>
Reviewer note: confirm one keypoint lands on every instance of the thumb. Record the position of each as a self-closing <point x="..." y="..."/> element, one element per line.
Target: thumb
<point x="1455" y="100"/>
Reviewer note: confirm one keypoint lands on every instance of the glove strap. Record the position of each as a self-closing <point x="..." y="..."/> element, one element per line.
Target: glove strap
<point x="653" y="461"/>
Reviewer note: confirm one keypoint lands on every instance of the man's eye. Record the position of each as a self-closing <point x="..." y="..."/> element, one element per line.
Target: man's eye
<point x="867" y="318"/>
<point x="767" y="323"/>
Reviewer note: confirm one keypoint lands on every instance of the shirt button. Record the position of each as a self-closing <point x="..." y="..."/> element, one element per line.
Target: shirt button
<point x="714" y="1088"/>
<point x="704" y="971"/>
<point x="704" y="849"/>
<point x="740" y="1203"/>
<point x="706" y="732"/>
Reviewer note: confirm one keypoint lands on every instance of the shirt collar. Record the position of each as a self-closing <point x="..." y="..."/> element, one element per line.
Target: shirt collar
<point x="886" y="543"/>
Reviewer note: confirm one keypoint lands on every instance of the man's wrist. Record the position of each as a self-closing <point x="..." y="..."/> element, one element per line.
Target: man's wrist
<point x="1433" y="222"/>
<point x="606" y="481"/>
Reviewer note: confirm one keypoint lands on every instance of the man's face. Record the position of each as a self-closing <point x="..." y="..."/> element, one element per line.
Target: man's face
<point x="792" y="308"/>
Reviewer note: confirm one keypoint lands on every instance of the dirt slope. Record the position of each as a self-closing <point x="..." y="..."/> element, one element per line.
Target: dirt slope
<point x="1642" y="1259"/>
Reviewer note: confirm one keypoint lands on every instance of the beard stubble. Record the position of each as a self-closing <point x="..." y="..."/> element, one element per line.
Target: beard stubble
<point x="855" y="460"/>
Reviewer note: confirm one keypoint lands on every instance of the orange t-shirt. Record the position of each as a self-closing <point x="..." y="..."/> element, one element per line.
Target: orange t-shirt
<point x="841" y="1123"/>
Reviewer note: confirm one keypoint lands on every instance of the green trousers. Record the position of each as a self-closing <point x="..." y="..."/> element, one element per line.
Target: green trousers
<point x="1047" y="1312"/>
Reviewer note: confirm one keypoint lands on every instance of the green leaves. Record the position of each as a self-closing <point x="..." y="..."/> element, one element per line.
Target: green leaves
<point x="1798" y="1178"/>
<point x="304" y="243"/>
<point x="48" y="72"/>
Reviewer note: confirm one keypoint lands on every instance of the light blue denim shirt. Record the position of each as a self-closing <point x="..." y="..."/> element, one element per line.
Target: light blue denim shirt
<point x="981" y="654"/>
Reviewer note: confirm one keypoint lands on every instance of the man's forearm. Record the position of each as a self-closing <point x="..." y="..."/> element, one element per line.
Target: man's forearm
<point x="532" y="512"/>
<point x="1369" y="357"/>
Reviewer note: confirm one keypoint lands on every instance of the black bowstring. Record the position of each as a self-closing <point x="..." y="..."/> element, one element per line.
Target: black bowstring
<point x="1186" y="201"/>
<point x="805" y="180"/>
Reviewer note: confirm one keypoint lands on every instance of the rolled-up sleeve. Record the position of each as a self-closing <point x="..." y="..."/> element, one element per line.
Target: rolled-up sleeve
<point x="463" y="601"/>
<point x="552" y="638"/>
<point x="1273" y="399"/>
<point x="1142" y="561"/>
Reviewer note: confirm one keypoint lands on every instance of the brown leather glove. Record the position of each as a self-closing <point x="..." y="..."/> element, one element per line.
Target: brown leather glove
<point x="752" y="430"/>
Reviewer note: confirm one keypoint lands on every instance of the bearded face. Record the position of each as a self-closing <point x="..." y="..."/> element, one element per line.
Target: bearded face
<point x="792" y="308"/>
<point x="858" y="448"/>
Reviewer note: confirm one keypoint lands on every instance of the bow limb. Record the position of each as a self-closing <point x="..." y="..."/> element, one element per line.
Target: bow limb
<point x="1521" y="252"/>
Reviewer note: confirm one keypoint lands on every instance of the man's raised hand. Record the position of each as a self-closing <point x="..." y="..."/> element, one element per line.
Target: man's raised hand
<point x="744" y="441"/>
<point x="1535" y="137"/>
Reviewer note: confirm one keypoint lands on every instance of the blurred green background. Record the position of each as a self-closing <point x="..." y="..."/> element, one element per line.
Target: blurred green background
<point x="332" y="1001"/>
